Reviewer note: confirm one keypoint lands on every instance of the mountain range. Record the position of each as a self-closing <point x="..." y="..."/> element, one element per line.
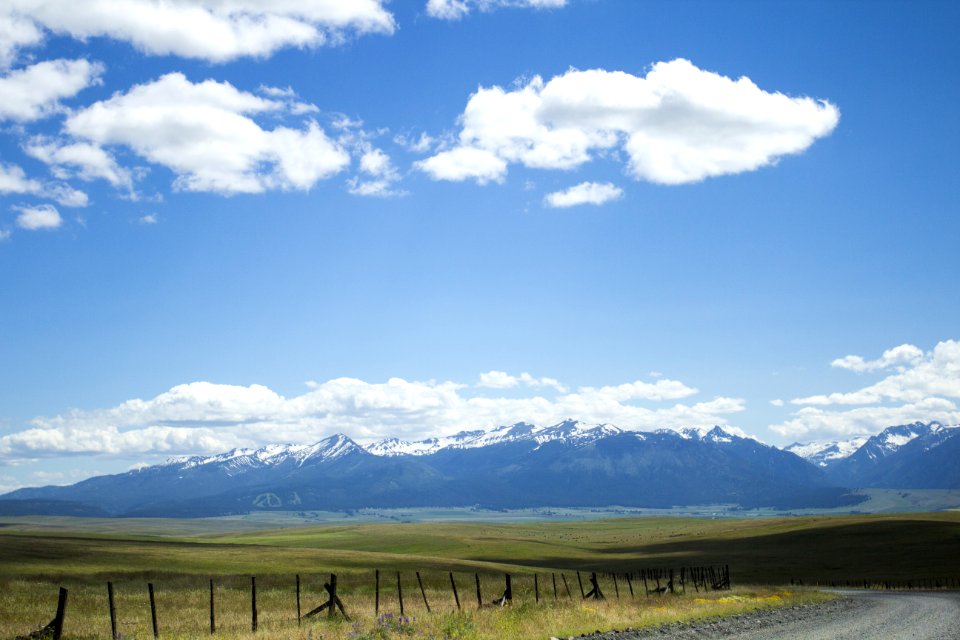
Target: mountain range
<point x="521" y="465"/>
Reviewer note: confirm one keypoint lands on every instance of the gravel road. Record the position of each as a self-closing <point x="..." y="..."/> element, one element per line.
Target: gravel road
<point x="856" y="615"/>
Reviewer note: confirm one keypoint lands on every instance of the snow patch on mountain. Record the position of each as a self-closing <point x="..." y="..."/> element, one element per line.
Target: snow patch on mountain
<point x="823" y="453"/>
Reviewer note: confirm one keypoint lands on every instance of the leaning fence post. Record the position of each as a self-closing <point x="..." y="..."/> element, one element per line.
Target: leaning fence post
<point x="536" y="588"/>
<point x="616" y="587"/>
<point x="630" y="584"/>
<point x="153" y="611"/>
<point x="479" y="598"/>
<point x="298" y="599"/>
<point x="580" y="582"/>
<point x="565" y="586"/>
<point x="554" y="577"/>
<point x="454" y="586"/>
<point x="422" y="592"/>
<point x="113" y="612"/>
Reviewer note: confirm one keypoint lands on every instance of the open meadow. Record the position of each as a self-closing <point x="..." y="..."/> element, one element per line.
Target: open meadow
<point x="180" y="557"/>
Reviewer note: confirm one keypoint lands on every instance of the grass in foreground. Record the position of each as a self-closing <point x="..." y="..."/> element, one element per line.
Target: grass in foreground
<point x="183" y="612"/>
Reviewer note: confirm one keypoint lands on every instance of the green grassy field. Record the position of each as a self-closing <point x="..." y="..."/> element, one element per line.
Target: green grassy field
<point x="179" y="556"/>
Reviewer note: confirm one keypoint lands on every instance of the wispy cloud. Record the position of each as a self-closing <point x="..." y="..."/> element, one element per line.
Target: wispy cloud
<point x="918" y="385"/>
<point x="457" y="9"/>
<point x="595" y="193"/>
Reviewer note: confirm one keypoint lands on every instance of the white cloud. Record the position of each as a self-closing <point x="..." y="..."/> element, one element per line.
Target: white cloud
<point x="35" y="92"/>
<point x="595" y="193"/>
<point x="202" y="417"/>
<point x="213" y="30"/>
<point x="16" y="32"/>
<point x="503" y="380"/>
<point x="421" y="144"/>
<point x="678" y="124"/>
<point x="149" y="218"/>
<point x="205" y="134"/>
<point x="457" y="9"/>
<point x="905" y="354"/>
<point x="465" y="163"/>
<point x="777" y="402"/>
<point x="81" y="159"/>
<point x="43" y="216"/>
<point x="4" y="234"/>
<point x="378" y="175"/>
<point x="921" y="386"/>
<point x="14" y="180"/>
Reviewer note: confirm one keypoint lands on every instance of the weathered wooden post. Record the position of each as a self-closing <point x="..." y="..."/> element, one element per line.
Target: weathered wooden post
<point x="113" y="611"/>
<point x="453" y="585"/>
<point x="400" y="593"/>
<point x="423" y="593"/>
<point x="298" y="600"/>
<point x="583" y="596"/>
<point x="213" y="622"/>
<point x="153" y="611"/>
<point x="507" y="597"/>
<point x="536" y="589"/>
<point x="253" y="604"/>
<point x="554" y="577"/>
<point x="565" y="586"/>
<point x="646" y="590"/>
<point x="376" y="600"/>
<point x="630" y="584"/>
<point x="333" y="602"/>
<point x="616" y="588"/>
<point x="595" y="592"/>
<point x="479" y="597"/>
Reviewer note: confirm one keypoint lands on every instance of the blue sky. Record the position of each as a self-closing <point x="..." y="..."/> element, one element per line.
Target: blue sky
<point x="226" y="226"/>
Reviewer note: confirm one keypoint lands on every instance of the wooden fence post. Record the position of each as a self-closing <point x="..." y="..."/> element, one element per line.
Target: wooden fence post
<point x="565" y="586"/>
<point x="61" y="613"/>
<point x="298" y="600"/>
<point x="423" y="593"/>
<point x="400" y="593"/>
<point x="213" y="622"/>
<point x="376" y="601"/>
<point x="454" y="586"/>
<point x="113" y="612"/>
<point x="580" y="582"/>
<point x="253" y="604"/>
<point x="536" y="589"/>
<point x="153" y="611"/>
<point x="479" y="597"/>
<point x="554" y="577"/>
<point x="616" y="588"/>
<point x="630" y="584"/>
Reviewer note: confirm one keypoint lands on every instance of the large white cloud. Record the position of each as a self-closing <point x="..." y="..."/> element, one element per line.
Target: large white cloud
<point x="205" y="417"/>
<point x="918" y="385"/>
<point x="678" y="124"/>
<point x="206" y="134"/>
<point x="457" y="9"/>
<point x="214" y="30"/>
<point x="35" y="91"/>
